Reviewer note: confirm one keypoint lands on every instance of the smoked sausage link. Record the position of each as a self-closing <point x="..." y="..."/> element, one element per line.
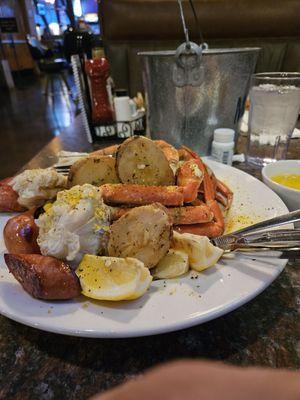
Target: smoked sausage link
<point x="44" y="277"/>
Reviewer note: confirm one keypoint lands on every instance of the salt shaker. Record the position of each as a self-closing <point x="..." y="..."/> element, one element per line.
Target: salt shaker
<point x="122" y="105"/>
<point x="223" y="145"/>
<point x="123" y="113"/>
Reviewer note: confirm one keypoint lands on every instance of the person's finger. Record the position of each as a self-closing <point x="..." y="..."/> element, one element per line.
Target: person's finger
<point x="196" y="380"/>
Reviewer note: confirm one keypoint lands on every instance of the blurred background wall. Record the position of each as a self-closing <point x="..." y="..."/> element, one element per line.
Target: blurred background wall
<point x="132" y="25"/>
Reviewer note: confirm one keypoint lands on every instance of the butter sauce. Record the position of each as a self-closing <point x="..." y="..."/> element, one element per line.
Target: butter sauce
<point x="289" y="180"/>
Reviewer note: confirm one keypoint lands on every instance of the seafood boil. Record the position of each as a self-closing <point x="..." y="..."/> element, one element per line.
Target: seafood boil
<point x="124" y="215"/>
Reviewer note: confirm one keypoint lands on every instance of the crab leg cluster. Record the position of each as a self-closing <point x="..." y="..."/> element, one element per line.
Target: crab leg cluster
<point x="195" y="199"/>
<point x="193" y="203"/>
<point x="179" y="215"/>
<point x="209" y="188"/>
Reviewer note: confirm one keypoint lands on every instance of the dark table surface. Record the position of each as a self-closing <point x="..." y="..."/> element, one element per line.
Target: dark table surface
<point x="45" y="366"/>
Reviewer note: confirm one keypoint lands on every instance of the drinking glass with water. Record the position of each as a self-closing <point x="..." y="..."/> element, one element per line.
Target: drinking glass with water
<point x="274" y="109"/>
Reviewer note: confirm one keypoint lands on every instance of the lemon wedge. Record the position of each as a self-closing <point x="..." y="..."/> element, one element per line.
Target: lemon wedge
<point x="112" y="278"/>
<point x="201" y="252"/>
<point x="174" y="263"/>
<point x="144" y="283"/>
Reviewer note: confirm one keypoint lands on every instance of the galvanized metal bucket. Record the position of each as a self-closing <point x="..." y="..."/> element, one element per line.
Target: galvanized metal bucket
<point x="192" y="91"/>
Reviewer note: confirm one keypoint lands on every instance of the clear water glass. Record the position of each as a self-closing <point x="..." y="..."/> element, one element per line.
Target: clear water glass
<point x="274" y="110"/>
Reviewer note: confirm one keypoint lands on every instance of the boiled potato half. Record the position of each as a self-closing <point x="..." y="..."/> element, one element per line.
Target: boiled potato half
<point x="143" y="233"/>
<point x="175" y="263"/>
<point x="201" y="252"/>
<point x="95" y="170"/>
<point x="112" y="278"/>
<point x="141" y="161"/>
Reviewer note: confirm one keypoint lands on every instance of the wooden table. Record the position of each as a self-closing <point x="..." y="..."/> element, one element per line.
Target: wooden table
<point x="41" y="365"/>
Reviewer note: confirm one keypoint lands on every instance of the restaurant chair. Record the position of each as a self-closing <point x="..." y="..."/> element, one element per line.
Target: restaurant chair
<point x="52" y="67"/>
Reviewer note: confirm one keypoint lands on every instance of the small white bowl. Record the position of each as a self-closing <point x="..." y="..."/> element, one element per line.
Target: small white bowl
<point x="290" y="196"/>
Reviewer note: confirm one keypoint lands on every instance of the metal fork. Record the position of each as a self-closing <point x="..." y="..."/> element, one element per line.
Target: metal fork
<point x="66" y="161"/>
<point x="230" y="241"/>
<point x="277" y="240"/>
<point x="62" y="169"/>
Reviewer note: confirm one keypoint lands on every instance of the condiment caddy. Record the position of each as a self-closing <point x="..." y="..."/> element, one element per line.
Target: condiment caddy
<point x="105" y="112"/>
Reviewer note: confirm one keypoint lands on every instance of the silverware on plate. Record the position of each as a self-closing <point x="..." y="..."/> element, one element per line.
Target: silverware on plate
<point x="66" y="159"/>
<point x="258" y="237"/>
<point x="62" y="169"/>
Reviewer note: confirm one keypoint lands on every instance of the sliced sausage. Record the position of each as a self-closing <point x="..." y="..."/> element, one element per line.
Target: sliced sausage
<point x="44" y="277"/>
<point x="9" y="199"/>
<point x="20" y="234"/>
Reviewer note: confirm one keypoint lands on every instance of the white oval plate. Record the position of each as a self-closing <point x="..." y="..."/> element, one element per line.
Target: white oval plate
<point x="168" y="305"/>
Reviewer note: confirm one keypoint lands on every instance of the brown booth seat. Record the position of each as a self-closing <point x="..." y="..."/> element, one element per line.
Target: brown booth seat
<point x="130" y="26"/>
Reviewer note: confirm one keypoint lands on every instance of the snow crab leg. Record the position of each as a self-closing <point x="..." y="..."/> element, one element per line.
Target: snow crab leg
<point x="138" y="195"/>
<point x="189" y="180"/>
<point x="190" y="177"/>
<point x="224" y="195"/>
<point x="179" y="215"/>
<point x="216" y="227"/>
<point x="222" y="192"/>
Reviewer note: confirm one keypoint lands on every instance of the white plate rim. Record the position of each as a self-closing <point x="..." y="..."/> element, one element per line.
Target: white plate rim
<point x="189" y="323"/>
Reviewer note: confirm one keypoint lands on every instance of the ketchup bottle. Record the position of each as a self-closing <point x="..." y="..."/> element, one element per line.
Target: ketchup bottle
<point x="98" y="72"/>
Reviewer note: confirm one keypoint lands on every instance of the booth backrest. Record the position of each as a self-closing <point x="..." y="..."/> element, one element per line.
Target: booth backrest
<point x="130" y="26"/>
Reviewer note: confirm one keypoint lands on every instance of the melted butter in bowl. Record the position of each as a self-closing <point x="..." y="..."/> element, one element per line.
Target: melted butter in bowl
<point x="290" y="180"/>
<point x="284" y="178"/>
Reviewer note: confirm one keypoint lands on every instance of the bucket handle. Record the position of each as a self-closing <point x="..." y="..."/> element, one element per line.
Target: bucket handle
<point x="185" y="29"/>
<point x="187" y="69"/>
<point x="203" y="44"/>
